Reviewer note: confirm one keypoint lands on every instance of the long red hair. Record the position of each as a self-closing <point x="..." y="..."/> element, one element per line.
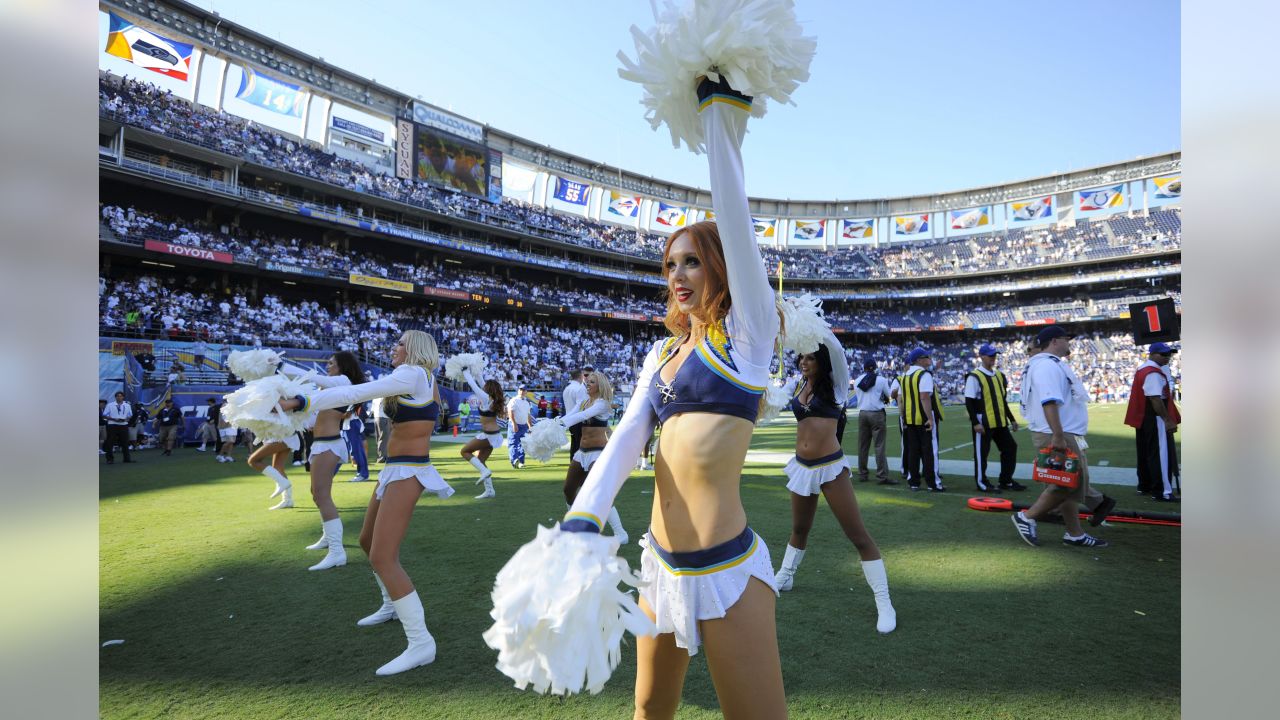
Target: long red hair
<point x="715" y="292"/>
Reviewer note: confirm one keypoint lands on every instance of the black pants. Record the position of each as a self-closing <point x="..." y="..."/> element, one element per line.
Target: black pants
<point x="1157" y="458"/>
<point x="1008" y="448"/>
<point x="918" y="456"/>
<point x="116" y="435"/>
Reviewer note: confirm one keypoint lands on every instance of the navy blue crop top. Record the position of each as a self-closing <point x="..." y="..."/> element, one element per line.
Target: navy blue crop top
<point x="406" y="410"/>
<point x="817" y="407"/>
<point x="711" y="380"/>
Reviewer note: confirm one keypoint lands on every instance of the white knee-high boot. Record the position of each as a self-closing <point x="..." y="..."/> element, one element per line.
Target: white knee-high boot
<point x="785" y="578"/>
<point x="322" y="543"/>
<point x="337" y="555"/>
<point x="879" y="582"/>
<point x="385" y="612"/>
<point x="615" y="522"/>
<point x="286" y="500"/>
<point x="488" y="488"/>
<point x="422" y="647"/>
<point x="282" y="482"/>
<point x="484" y="471"/>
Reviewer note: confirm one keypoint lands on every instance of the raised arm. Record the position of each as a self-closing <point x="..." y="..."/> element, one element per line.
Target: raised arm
<point x="613" y="467"/>
<point x="314" y="377"/>
<point x="485" y="402"/>
<point x="724" y="113"/>
<point x="839" y="368"/>
<point x="404" y="380"/>
<point x="589" y="411"/>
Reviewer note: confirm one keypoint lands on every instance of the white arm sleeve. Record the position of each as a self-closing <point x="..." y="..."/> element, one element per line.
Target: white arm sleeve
<point x="589" y="411"/>
<point x="753" y="312"/>
<point x="839" y="368"/>
<point x="613" y="467"/>
<point x="481" y="395"/>
<point x="314" y="377"/>
<point x="404" y="380"/>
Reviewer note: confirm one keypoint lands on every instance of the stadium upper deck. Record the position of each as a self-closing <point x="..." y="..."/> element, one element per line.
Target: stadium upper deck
<point x="137" y="116"/>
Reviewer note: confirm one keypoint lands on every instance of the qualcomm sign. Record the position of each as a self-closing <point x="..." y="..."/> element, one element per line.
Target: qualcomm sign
<point x="426" y="115"/>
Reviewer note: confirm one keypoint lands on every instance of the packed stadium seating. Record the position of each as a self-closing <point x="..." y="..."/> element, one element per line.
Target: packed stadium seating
<point x="145" y="106"/>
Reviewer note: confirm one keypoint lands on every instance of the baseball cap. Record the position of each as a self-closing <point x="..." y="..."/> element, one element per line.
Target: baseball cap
<point x="988" y="349"/>
<point x="1051" y="332"/>
<point x="1163" y="348"/>
<point x="916" y="354"/>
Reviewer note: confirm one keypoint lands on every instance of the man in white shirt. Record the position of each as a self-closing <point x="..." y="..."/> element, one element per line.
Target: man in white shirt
<point x="118" y="414"/>
<point x="1055" y="405"/>
<point x="575" y="393"/>
<point x="872" y="391"/>
<point x="517" y="425"/>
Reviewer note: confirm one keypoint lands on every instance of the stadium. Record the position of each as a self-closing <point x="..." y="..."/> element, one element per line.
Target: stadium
<point x="362" y="213"/>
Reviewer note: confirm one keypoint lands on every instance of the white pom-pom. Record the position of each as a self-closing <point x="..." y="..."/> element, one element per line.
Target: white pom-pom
<point x="543" y="440"/>
<point x="777" y="396"/>
<point x="803" y="328"/>
<point x="255" y="407"/>
<point x="756" y="45"/>
<point x="253" y="364"/>
<point x="559" y="614"/>
<point x="475" y="362"/>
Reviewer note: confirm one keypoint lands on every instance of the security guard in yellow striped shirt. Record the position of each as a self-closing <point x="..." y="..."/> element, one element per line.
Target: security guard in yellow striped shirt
<point x="918" y="404"/>
<point x="986" y="392"/>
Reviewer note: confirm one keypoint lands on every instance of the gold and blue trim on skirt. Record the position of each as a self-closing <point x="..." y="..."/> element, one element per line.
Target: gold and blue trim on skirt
<point x="712" y="560"/>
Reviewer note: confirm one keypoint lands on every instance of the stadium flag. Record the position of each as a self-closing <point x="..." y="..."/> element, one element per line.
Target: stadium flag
<point x="765" y="229"/>
<point x="808" y="229"/>
<point x="910" y="224"/>
<point x="969" y="219"/>
<point x="1168" y="188"/>
<point x="671" y="215"/>
<point x="1100" y="199"/>
<point x="627" y="206"/>
<point x="574" y="193"/>
<point x="1028" y="210"/>
<point x="146" y="49"/>
<point x="708" y="215"/>
<point x="267" y="92"/>
<point x="854" y="229"/>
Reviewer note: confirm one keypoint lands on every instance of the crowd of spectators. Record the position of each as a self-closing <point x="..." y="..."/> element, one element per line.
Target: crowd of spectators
<point x="145" y="105"/>
<point x="532" y="351"/>
<point x="252" y="247"/>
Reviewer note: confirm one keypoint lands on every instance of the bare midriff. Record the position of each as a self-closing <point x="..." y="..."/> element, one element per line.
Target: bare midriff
<point x="328" y="423"/>
<point x="696" y="503"/>
<point x="816" y="438"/>
<point x="594" y="438"/>
<point x="410" y="438"/>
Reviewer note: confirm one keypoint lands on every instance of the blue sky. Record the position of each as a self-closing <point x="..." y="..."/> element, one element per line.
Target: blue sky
<point x="905" y="97"/>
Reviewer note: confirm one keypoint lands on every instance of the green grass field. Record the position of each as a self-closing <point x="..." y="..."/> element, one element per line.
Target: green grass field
<point x="221" y="618"/>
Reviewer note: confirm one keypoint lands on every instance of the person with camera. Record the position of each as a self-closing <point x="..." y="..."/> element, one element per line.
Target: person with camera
<point x="1055" y="405"/>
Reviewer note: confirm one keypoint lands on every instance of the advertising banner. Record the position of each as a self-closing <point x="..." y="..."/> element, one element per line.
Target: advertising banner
<point x="191" y="252"/>
<point x="288" y="268"/>
<point x="380" y="282"/>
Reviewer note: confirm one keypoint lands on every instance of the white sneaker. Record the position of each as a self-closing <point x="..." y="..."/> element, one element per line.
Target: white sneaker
<point x="359" y="478"/>
<point x="200" y="449"/>
<point x="296" y="463"/>
<point x="100" y="452"/>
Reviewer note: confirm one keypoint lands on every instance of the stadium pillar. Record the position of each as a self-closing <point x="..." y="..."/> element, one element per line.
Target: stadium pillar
<point x="222" y="86"/>
<point x="195" y="75"/>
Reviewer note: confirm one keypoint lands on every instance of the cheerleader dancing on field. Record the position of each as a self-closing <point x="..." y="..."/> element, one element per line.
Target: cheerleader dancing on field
<point x="413" y="404"/>
<point x="328" y="452"/>
<point x="593" y="416"/>
<point x="820" y="467"/>
<point x="479" y="448"/>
